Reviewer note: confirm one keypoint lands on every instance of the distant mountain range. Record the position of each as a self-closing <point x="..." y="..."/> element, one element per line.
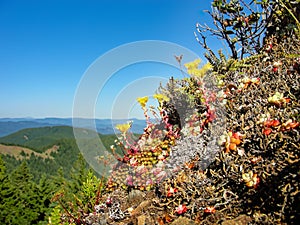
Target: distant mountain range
<point x="103" y="126"/>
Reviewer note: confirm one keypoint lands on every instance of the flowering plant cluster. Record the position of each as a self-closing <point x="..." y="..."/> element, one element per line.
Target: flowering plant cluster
<point x="278" y="99"/>
<point x="253" y="114"/>
<point x="251" y="179"/>
<point x="144" y="160"/>
<point x="274" y="125"/>
<point x="142" y="164"/>
<point x="230" y="140"/>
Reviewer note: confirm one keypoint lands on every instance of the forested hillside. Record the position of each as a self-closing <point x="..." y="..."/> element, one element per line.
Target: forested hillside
<point x="35" y="164"/>
<point x="42" y="140"/>
<point x="26" y="193"/>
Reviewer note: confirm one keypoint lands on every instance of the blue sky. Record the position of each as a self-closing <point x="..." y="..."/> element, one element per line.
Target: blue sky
<point x="47" y="46"/>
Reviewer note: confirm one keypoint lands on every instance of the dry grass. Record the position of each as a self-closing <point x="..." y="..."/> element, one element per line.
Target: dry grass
<point x="16" y="151"/>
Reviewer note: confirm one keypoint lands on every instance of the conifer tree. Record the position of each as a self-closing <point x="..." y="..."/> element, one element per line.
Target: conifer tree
<point x="4" y="187"/>
<point x="2" y="168"/>
<point x="79" y="173"/>
<point x="20" y="205"/>
<point x="44" y="192"/>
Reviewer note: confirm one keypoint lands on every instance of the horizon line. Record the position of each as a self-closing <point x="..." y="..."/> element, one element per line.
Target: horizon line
<point x="29" y="117"/>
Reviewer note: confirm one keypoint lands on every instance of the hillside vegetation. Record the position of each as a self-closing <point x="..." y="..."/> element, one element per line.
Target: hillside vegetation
<point x="40" y="139"/>
<point x="30" y="176"/>
<point x="46" y="149"/>
<point x="24" y="153"/>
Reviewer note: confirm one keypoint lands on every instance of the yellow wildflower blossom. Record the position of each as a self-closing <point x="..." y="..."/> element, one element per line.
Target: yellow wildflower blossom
<point x="143" y="101"/>
<point x="161" y="98"/>
<point x="193" y="68"/>
<point x="193" y="65"/>
<point x="123" y="128"/>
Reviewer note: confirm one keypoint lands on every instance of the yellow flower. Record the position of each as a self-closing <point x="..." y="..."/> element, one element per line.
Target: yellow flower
<point x="123" y="128"/>
<point x="204" y="70"/>
<point x="193" y="68"/>
<point x="161" y="98"/>
<point x="143" y="101"/>
<point x="192" y="65"/>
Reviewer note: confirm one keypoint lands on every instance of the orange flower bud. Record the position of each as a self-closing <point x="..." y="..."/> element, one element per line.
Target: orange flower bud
<point x="232" y="146"/>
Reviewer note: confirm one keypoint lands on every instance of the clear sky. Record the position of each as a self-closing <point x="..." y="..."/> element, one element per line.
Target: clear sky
<point x="47" y="46"/>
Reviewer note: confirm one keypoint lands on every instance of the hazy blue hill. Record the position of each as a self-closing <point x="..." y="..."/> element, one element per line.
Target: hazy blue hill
<point x="9" y="127"/>
<point x="103" y="126"/>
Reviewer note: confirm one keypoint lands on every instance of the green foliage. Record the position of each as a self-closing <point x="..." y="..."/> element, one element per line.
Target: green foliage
<point x="90" y="188"/>
<point x="34" y="181"/>
<point x="39" y="166"/>
<point x="45" y="190"/>
<point x="22" y="201"/>
<point x="2" y="169"/>
<point x="4" y="186"/>
<point x="55" y="216"/>
<point x="79" y="172"/>
<point x="79" y="194"/>
<point x="285" y="18"/>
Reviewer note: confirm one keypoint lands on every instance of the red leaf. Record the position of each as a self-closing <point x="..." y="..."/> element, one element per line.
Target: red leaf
<point x="271" y="123"/>
<point x="275" y="123"/>
<point x="171" y="191"/>
<point x="210" y="210"/>
<point x="168" y="218"/>
<point x="267" y="131"/>
<point x="232" y="146"/>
